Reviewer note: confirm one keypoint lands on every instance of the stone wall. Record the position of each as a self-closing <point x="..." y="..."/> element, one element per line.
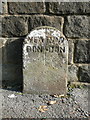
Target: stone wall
<point x="18" y="19"/>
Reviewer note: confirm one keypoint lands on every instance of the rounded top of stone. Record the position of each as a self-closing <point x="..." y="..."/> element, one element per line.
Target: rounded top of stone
<point x="44" y="32"/>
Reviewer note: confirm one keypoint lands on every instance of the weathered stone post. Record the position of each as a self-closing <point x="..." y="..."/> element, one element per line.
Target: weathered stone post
<point x="45" y="57"/>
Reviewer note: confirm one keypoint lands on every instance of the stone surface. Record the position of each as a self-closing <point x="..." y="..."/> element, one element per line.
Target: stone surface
<point x="82" y="51"/>
<point x="14" y="26"/>
<point x="69" y="7"/>
<point x="84" y="73"/>
<point x="1" y="47"/>
<point x="77" y="27"/>
<point x="0" y="63"/>
<point x="45" y="20"/>
<point x="0" y="26"/>
<point x="0" y="8"/>
<point x="71" y="51"/>
<point x="72" y="73"/>
<point x="26" y="7"/>
<point x="45" y="56"/>
<point x="3" y="8"/>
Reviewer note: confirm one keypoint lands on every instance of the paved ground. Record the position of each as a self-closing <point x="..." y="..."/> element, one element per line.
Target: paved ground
<point x="27" y="105"/>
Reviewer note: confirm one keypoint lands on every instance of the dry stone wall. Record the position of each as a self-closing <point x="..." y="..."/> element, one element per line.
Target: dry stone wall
<point x="18" y="19"/>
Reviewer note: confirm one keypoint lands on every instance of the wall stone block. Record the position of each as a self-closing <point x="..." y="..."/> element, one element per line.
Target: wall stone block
<point x="82" y="51"/>
<point x="45" y="20"/>
<point x="14" y="26"/>
<point x="69" y="7"/>
<point x="84" y="73"/>
<point x="26" y="7"/>
<point x="72" y="73"/>
<point x="77" y="27"/>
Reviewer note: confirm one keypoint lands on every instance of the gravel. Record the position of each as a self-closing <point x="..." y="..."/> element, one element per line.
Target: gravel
<point x="27" y="105"/>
